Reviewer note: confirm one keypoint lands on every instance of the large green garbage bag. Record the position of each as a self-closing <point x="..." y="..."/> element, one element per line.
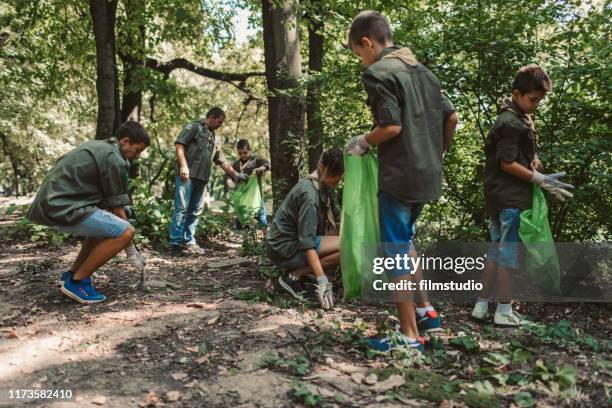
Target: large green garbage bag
<point x="359" y="222"/>
<point x="541" y="262"/>
<point x="247" y="200"/>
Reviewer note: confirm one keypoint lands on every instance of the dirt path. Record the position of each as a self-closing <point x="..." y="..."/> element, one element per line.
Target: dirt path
<point x="206" y="337"/>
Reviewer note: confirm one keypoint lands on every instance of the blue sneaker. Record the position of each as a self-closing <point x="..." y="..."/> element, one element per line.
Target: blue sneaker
<point x="394" y="340"/>
<point x="65" y="276"/>
<point x="429" y="323"/>
<point x="82" y="292"/>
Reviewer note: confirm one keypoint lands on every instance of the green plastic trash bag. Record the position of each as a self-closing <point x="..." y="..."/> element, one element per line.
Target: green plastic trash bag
<point x="247" y="200"/>
<point x="359" y="222"/>
<point x="541" y="260"/>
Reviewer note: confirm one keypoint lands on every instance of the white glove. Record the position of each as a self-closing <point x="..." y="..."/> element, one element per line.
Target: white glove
<point x="551" y="183"/>
<point x="324" y="292"/>
<point x="357" y="145"/>
<point x="135" y="258"/>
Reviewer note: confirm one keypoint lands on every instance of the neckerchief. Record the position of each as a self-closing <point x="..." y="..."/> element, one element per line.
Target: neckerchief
<point x="509" y="105"/>
<point x="325" y="200"/>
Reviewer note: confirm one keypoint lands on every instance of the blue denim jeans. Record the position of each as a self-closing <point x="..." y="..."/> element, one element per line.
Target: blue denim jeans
<point x="261" y="215"/>
<point x="397" y="227"/>
<point x="188" y="199"/>
<point x="505" y="239"/>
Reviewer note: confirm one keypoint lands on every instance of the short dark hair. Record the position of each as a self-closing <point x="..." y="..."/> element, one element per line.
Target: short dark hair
<point x="531" y="78"/>
<point x="243" y="144"/>
<point x="370" y="24"/>
<point x="333" y="160"/>
<point x="215" y="112"/>
<point x="134" y="132"/>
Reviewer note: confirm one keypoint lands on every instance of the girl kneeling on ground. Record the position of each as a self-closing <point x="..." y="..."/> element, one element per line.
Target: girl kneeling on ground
<point x="296" y="238"/>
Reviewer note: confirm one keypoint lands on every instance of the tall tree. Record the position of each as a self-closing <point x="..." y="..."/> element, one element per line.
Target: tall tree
<point x="131" y="52"/>
<point x="286" y="105"/>
<point x="103" y="17"/>
<point x="313" y="104"/>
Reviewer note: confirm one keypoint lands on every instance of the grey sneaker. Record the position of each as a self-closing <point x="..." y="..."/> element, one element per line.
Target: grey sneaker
<point x="480" y="311"/>
<point x="512" y="319"/>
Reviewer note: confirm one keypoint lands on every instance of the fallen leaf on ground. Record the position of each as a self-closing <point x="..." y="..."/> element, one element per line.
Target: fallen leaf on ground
<point x="213" y="320"/>
<point x="357" y="377"/>
<point x="173" y="396"/>
<point x="371" y="379"/>
<point x="178" y="376"/>
<point x="150" y="401"/>
<point x="390" y="383"/>
<point x="100" y="400"/>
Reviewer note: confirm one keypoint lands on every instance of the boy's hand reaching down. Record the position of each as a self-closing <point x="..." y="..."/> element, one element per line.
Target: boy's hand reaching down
<point x="357" y="145"/>
<point x="134" y="257"/>
<point x="324" y="292"/>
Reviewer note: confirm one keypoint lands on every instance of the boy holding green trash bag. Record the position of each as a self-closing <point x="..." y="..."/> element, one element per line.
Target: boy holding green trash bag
<point x="414" y="124"/>
<point x="249" y="164"/>
<point x="511" y="168"/>
<point x="296" y="239"/>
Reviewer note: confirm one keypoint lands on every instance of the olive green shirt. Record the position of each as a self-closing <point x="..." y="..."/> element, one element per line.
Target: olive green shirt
<point x="401" y="91"/>
<point x="94" y="175"/>
<point x="297" y="222"/>
<point x="201" y="150"/>
<point x="250" y="165"/>
<point x="511" y="139"/>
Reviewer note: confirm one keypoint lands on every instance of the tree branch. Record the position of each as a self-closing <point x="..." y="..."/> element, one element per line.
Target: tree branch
<point x="181" y="63"/>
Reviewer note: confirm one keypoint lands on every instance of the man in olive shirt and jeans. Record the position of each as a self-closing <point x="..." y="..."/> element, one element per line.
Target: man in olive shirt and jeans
<point x="414" y="123"/>
<point x="196" y="149"/>
<point x="85" y="194"/>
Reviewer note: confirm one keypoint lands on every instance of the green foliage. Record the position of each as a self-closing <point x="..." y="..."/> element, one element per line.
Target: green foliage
<point x="564" y="334"/>
<point x="154" y="215"/>
<point x="40" y="234"/>
<point x="468" y="343"/>
<point x="300" y="393"/>
<point x="524" y="399"/>
<point x="299" y="365"/>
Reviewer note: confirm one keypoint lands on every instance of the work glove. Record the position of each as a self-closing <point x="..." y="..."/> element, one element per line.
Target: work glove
<point x="324" y="292"/>
<point x="135" y="258"/>
<point x="241" y="177"/>
<point x="357" y="145"/>
<point x="551" y="183"/>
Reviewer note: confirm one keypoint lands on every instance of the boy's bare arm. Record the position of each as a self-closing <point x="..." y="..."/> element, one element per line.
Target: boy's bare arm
<point x="314" y="262"/>
<point x="517" y="170"/>
<point x="382" y="134"/>
<point x="450" y="123"/>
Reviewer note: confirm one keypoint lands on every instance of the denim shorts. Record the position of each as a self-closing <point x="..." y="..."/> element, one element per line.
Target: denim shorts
<point x="397" y="228"/>
<point x="505" y="240"/>
<point x="99" y="224"/>
<point x="299" y="259"/>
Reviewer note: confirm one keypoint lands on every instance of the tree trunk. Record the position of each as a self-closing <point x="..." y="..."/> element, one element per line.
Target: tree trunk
<point x="131" y="52"/>
<point x="313" y="104"/>
<point x="285" y="108"/>
<point x="6" y="149"/>
<point x="103" y="16"/>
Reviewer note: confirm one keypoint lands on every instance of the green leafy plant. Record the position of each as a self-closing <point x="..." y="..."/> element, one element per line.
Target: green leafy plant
<point x="301" y="393"/>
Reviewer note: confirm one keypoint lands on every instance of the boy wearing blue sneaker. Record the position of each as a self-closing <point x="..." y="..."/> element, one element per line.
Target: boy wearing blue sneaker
<point x="85" y="194"/>
<point x="414" y="124"/>
<point x="511" y="166"/>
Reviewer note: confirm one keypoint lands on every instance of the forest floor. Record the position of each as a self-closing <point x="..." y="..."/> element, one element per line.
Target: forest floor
<point x="208" y="336"/>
